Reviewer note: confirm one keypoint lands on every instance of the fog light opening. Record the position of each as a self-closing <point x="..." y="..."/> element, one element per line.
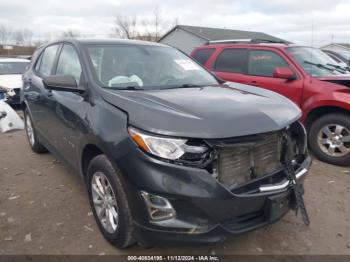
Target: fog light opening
<point x="159" y="208"/>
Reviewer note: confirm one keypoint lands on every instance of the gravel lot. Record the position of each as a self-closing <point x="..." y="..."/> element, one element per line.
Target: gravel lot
<point x="44" y="210"/>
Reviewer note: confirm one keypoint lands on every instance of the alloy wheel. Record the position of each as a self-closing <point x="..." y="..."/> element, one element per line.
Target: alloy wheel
<point x="334" y="140"/>
<point x="29" y="130"/>
<point x="104" y="201"/>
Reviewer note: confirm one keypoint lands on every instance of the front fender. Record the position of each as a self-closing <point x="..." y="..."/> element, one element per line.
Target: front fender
<point x="340" y="99"/>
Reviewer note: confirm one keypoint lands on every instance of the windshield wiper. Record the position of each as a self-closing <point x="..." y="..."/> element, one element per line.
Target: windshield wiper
<point x="343" y="69"/>
<point x="124" y="87"/>
<point x="319" y="65"/>
<point x="183" y="86"/>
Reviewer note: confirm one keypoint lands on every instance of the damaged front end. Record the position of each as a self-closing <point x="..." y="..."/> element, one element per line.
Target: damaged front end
<point x="252" y="164"/>
<point x="223" y="186"/>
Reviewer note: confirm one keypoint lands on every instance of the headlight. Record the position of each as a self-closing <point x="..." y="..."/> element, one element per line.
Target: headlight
<point x="164" y="147"/>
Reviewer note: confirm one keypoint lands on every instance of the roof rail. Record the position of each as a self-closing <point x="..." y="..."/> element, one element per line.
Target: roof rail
<point x="269" y="41"/>
<point x="252" y="41"/>
<point x="224" y="41"/>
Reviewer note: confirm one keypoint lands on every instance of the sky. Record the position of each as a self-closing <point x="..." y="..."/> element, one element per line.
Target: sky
<point x="307" y="22"/>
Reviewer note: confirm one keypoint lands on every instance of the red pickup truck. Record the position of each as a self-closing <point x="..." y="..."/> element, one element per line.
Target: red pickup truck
<point x="306" y="75"/>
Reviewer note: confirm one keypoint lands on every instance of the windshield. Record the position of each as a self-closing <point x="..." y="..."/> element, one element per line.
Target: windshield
<point x="9" y="68"/>
<point x="146" y="67"/>
<point x="316" y="63"/>
<point x="344" y="54"/>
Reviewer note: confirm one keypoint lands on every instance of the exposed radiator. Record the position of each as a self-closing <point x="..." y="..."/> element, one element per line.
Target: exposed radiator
<point x="239" y="164"/>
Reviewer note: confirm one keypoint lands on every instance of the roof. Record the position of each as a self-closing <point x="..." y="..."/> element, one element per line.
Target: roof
<point x="211" y="34"/>
<point x="344" y="45"/>
<point x="245" y="45"/>
<point x="5" y="59"/>
<point x="98" y="41"/>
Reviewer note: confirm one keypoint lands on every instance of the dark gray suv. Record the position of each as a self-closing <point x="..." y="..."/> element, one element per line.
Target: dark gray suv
<point x="168" y="152"/>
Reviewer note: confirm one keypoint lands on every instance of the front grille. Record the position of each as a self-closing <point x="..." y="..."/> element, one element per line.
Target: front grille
<point x="242" y="163"/>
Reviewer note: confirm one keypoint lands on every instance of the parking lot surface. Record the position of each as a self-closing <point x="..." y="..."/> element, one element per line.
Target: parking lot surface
<point x="44" y="209"/>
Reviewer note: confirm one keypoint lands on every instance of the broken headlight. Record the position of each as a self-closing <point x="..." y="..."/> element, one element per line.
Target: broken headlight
<point x="165" y="147"/>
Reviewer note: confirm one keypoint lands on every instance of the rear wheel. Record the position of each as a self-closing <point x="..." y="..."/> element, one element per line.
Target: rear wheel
<point x="34" y="143"/>
<point x="329" y="139"/>
<point x="109" y="202"/>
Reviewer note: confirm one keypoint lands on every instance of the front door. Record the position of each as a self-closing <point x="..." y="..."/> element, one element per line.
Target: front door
<point x="261" y="66"/>
<point x="70" y="108"/>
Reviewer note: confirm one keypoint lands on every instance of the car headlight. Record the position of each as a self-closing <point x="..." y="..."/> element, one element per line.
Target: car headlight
<point x="164" y="147"/>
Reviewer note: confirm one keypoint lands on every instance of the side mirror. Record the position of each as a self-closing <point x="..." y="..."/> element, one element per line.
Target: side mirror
<point x="61" y="83"/>
<point x="284" y="73"/>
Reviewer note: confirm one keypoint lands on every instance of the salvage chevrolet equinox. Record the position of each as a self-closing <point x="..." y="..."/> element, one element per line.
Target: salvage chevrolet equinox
<point x="168" y="151"/>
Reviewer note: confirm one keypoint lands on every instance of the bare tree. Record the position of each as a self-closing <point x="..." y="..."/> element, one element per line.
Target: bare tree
<point x="27" y="37"/>
<point x="5" y="35"/>
<point x="152" y="27"/>
<point x="22" y="37"/>
<point x="126" y="27"/>
<point x="158" y="22"/>
<point x="18" y="37"/>
<point x="149" y="29"/>
<point x="70" y="33"/>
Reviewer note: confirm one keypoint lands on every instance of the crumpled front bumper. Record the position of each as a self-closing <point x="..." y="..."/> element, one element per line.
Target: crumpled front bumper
<point x="206" y="210"/>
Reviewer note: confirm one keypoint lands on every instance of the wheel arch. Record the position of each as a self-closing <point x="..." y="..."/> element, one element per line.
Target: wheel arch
<point x="88" y="153"/>
<point x="321" y="111"/>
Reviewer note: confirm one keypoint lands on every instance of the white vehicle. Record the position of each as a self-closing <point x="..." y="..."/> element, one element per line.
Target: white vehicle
<point x="11" y="70"/>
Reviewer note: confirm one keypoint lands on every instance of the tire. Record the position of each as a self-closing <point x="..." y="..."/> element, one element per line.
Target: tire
<point x="122" y="235"/>
<point x="324" y="132"/>
<point x="32" y="137"/>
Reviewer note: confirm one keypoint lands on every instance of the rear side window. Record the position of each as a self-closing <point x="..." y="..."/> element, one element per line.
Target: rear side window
<point x="202" y="55"/>
<point x="68" y="63"/>
<point x="47" y="60"/>
<point x="263" y="63"/>
<point x="232" y="60"/>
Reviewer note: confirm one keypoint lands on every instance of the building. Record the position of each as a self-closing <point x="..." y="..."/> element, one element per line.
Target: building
<point x="337" y="47"/>
<point x="187" y="37"/>
<point x="15" y="50"/>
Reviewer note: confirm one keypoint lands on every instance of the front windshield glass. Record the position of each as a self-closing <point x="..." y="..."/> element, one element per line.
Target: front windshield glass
<point x="146" y="67"/>
<point x="344" y="54"/>
<point x="316" y="63"/>
<point x="9" y="68"/>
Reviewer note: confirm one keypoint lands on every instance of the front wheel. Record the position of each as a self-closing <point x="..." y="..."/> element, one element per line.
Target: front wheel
<point x="34" y="143"/>
<point x="329" y="139"/>
<point x="109" y="202"/>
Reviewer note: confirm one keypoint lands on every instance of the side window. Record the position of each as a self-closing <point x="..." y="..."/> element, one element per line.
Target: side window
<point x="232" y="60"/>
<point x="38" y="62"/>
<point x="202" y="55"/>
<point x="263" y="63"/>
<point x="47" y="60"/>
<point x="68" y="63"/>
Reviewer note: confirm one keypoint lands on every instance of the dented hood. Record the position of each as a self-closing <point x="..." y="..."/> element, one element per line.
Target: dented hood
<point x="207" y="112"/>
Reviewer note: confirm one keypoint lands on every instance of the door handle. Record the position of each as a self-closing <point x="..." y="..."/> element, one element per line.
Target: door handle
<point x="49" y="93"/>
<point x="27" y="83"/>
<point x="254" y="83"/>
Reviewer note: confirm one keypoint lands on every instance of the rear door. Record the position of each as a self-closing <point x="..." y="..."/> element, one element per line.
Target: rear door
<point x="38" y="98"/>
<point x="202" y="55"/>
<point x="260" y="69"/>
<point x="231" y="65"/>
